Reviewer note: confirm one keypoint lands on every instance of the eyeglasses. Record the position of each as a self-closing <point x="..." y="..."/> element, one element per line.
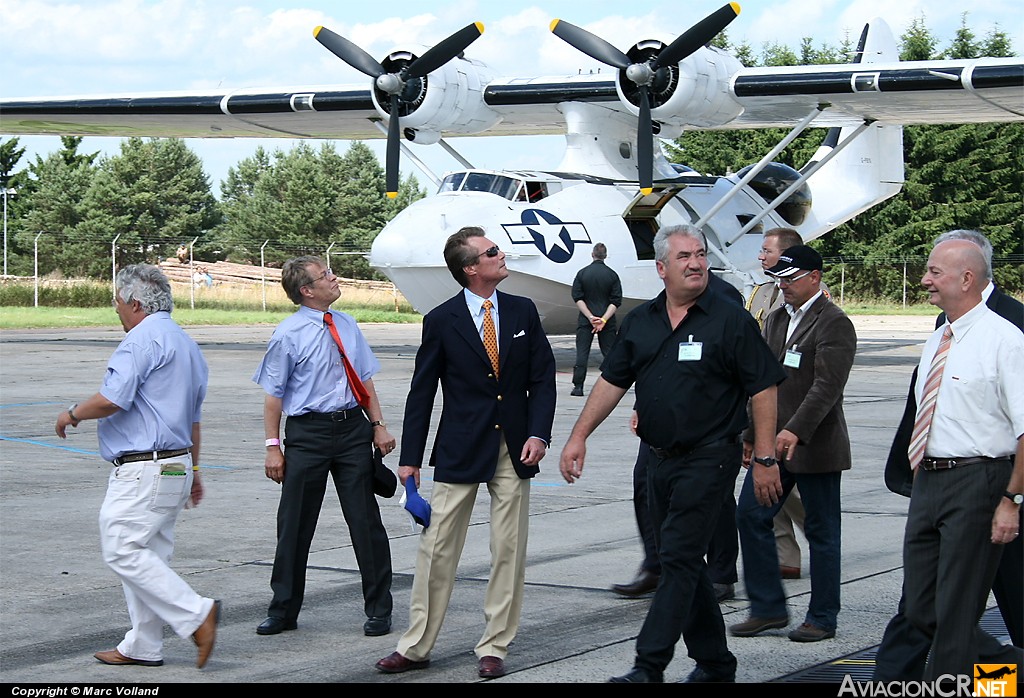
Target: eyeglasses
<point x="327" y="272"/>
<point x="489" y="252"/>
<point x="779" y="281"/>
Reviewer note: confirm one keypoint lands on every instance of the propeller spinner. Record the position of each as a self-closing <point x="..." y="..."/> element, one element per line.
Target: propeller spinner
<point x="394" y="84"/>
<point x="643" y="74"/>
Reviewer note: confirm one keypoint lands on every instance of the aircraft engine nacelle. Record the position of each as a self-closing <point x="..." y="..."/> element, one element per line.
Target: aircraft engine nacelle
<point x="694" y="92"/>
<point x="448" y="100"/>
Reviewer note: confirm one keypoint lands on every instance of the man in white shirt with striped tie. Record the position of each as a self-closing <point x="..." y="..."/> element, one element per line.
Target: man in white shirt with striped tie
<point x="966" y="493"/>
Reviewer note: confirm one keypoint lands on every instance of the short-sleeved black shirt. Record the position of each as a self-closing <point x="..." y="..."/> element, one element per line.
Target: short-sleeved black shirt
<point x="681" y="404"/>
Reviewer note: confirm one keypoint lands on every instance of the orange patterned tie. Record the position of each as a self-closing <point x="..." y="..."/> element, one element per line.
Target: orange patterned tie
<point x="355" y="384"/>
<point x="923" y="423"/>
<point x="490" y="336"/>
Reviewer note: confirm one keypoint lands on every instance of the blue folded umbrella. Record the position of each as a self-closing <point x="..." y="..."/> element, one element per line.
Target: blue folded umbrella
<point x="417" y="506"/>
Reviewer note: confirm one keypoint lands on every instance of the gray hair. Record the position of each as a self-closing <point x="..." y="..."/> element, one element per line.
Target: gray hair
<point x="147" y="285"/>
<point x="661" y="239"/>
<point x="975" y="237"/>
<point x="295" y="274"/>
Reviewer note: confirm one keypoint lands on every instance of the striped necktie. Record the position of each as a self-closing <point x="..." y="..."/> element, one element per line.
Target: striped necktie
<point x="926" y="410"/>
<point x="490" y="336"/>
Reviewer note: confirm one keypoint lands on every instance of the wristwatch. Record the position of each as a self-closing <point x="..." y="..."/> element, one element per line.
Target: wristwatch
<point x="378" y="423"/>
<point x="71" y="413"/>
<point x="1015" y="497"/>
<point x="767" y="461"/>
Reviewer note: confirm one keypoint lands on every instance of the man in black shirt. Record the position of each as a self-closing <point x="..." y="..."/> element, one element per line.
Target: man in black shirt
<point x="696" y="359"/>
<point x="597" y="292"/>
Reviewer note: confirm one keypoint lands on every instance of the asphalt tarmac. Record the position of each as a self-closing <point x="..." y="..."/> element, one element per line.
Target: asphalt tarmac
<point x="59" y="603"/>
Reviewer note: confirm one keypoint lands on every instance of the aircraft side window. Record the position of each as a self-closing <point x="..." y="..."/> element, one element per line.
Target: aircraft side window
<point x="536" y="190"/>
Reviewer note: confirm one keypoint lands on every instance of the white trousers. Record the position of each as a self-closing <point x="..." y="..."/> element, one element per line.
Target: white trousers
<point x="137" y="538"/>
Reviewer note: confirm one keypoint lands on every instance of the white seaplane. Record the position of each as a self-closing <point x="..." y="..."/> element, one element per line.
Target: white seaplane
<point x="614" y="184"/>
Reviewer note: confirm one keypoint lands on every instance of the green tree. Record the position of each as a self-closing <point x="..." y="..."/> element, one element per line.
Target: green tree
<point x="54" y="203"/>
<point x="964" y="44"/>
<point x="917" y="43"/>
<point x="306" y="201"/>
<point x="151" y="197"/>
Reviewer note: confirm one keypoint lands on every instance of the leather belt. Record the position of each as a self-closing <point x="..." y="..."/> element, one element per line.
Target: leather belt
<point x="150" y="455"/>
<point x="950" y="463"/>
<point x="678" y="452"/>
<point x="339" y="416"/>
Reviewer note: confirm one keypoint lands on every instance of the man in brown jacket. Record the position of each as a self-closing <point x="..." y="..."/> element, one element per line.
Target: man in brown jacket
<point x="816" y="342"/>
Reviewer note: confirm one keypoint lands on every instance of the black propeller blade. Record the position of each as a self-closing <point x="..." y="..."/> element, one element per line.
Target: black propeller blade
<point x="642" y="74"/>
<point x="394" y="83"/>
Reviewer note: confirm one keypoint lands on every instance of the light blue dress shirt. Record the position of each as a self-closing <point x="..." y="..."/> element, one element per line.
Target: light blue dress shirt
<point x="157" y="376"/>
<point x="303" y="366"/>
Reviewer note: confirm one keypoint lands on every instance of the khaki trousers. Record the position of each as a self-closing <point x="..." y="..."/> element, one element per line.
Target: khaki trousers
<point x="438" y="559"/>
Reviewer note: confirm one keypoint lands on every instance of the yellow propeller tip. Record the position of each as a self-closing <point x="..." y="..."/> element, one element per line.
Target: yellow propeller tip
<point x="735" y="7"/>
<point x="392" y="194"/>
<point x="646" y="190"/>
<point x="317" y="29"/>
<point x="554" y="23"/>
<point x="479" y="27"/>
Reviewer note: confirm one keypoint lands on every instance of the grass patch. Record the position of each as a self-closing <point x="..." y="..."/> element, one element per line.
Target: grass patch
<point x="44" y="317"/>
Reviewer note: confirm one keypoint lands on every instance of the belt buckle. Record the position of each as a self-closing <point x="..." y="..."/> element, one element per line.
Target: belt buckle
<point x="343" y="413"/>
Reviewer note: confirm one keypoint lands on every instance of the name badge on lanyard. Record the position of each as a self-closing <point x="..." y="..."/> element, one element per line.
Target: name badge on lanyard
<point x="690" y="350"/>
<point x="792" y="359"/>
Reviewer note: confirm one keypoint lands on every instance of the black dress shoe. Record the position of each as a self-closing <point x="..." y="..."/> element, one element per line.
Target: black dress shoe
<point x="644" y="583"/>
<point x="274" y="625"/>
<point x="377" y="625"/>
<point x="698" y="675"/>
<point x="638" y="675"/>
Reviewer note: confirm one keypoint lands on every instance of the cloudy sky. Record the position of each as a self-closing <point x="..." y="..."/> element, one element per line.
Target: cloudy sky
<point x="52" y="48"/>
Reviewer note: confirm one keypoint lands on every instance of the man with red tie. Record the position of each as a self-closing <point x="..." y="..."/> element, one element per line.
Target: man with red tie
<point x="489" y="354"/>
<point x="318" y="372"/>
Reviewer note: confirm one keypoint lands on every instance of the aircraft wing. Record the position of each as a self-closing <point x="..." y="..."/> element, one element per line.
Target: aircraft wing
<point x="921" y="92"/>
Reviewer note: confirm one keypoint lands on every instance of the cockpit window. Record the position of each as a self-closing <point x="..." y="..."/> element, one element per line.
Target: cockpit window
<point x="511" y="188"/>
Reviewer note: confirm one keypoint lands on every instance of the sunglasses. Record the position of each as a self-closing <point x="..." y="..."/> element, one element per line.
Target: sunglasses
<point x="489" y="252"/>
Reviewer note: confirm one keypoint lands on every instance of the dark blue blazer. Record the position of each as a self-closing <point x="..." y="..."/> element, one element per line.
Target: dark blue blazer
<point x="478" y="408"/>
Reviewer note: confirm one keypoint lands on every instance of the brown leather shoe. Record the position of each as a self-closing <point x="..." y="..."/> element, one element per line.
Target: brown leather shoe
<point x="115" y="658"/>
<point x="644" y="583"/>
<point x="206" y="634"/>
<point x="787" y="572"/>
<point x="754" y="625"/>
<point x="811" y="633"/>
<point x="492" y="667"/>
<point x="395" y="663"/>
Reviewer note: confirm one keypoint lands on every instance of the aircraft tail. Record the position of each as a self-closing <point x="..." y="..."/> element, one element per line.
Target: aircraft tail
<point x="869" y="169"/>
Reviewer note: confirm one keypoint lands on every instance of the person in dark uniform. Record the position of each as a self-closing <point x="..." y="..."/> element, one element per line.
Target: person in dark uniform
<point x="695" y="358"/>
<point x="724" y="548"/>
<point x="597" y="292"/>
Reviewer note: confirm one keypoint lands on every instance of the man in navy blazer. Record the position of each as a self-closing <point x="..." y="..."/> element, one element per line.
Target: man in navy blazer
<point x="495" y="428"/>
<point x="904" y="649"/>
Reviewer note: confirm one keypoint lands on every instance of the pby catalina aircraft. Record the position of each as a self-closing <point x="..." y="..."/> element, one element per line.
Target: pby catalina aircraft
<point x="614" y="184"/>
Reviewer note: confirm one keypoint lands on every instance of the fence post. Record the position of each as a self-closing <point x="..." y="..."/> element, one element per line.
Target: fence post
<point x="191" y="274"/>
<point x="842" y="283"/>
<point x="904" y="284"/>
<point x="35" y="269"/>
<point x="113" y="268"/>
<point x="263" y="275"/>
<point x="328" y="254"/>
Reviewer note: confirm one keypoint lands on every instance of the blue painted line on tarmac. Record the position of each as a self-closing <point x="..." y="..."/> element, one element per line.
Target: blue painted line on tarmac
<point x="29" y="404"/>
<point x="82" y="451"/>
<point x="33" y="442"/>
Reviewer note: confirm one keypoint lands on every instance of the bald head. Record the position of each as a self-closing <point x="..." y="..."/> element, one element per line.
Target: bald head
<point x="955" y="276"/>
